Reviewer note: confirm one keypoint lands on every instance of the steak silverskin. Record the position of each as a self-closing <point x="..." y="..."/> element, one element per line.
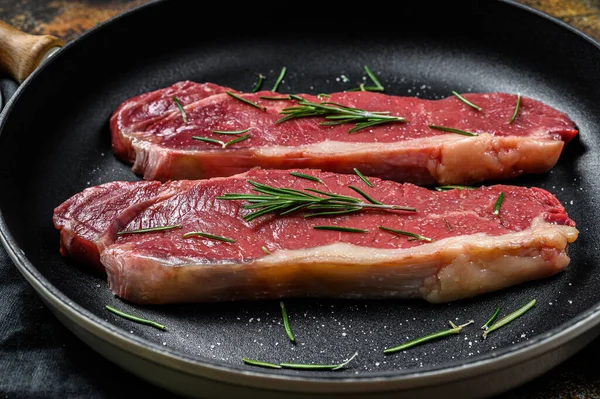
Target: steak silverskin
<point x="465" y="248"/>
<point x="150" y="131"/>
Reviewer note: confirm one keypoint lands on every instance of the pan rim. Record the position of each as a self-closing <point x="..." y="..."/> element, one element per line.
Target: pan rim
<point x="480" y="365"/>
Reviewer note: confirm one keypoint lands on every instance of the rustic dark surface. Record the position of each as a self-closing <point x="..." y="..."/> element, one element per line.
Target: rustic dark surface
<point x="578" y="377"/>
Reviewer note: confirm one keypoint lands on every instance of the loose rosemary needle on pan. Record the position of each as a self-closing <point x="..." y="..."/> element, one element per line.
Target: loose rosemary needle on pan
<point x="183" y="114"/>
<point x="510" y="317"/>
<point x="491" y="319"/>
<point x="363" y="178"/>
<point x="454" y="330"/>
<point x="149" y="229"/>
<point x="317" y="366"/>
<point x="279" y="79"/>
<point x="287" y="200"/>
<point x="286" y="322"/>
<point x="260" y="364"/>
<point x="136" y="319"/>
<point x="498" y="203"/>
<point x="516" y="109"/>
<point x="464" y="100"/>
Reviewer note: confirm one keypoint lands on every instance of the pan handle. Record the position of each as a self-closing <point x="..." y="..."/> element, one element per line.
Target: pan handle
<point x="21" y="53"/>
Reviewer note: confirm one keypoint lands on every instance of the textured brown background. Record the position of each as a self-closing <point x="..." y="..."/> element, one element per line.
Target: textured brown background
<point x="579" y="377"/>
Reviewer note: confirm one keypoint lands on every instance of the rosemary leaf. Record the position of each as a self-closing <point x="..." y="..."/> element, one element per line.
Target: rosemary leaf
<point x="491" y="319"/>
<point x="454" y="330"/>
<point x="317" y="366"/>
<point x="259" y="83"/>
<point x="149" y="229"/>
<point x="321" y="96"/>
<point x="260" y="364"/>
<point x="516" y="109"/>
<point x="266" y="251"/>
<point x="378" y="86"/>
<point x="209" y="140"/>
<point x="510" y="317"/>
<point x="273" y="98"/>
<point x="242" y="99"/>
<point x="365" y="195"/>
<point x="230" y="131"/>
<point x="307" y="177"/>
<point x="407" y="234"/>
<point x="207" y="235"/>
<point x="183" y="114"/>
<point x="452" y="130"/>
<point x="464" y="100"/>
<point x="279" y="79"/>
<point x="451" y="187"/>
<point x="236" y="140"/>
<point x="363" y="178"/>
<point x="340" y="228"/>
<point x="498" y="203"/>
<point x="136" y="319"/>
<point x="286" y="322"/>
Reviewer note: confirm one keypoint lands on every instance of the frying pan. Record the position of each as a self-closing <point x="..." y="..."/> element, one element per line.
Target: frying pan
<point x="54" y="142"/>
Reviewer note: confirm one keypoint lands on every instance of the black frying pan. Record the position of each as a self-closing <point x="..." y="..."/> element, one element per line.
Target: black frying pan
<point x="54" y="142"/>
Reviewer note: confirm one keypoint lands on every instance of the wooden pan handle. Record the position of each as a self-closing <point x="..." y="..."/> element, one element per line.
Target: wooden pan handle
<point x="21" y="53"/>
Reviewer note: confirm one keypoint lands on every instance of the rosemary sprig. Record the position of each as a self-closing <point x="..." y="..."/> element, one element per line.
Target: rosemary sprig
<point x="464" y="100"/>
<point x="365" y="195"/>
<point x="516" y="109"/>
<point x="266" y="251"/>
<point x="378" y="86"/>
<point x="231" y="131"/>
<point x="207" y="235"/>
<point x="321" y="96"/>
<point x="222" y="143"/>
<point x="363" y="178"/>
<point x="340" y="228"/>
<point x="491" y="319"/>
<point x="149" y="229"/>
<point x="452" y="130"/>
<point x="183" y="114"/>
<point x="317" y="366"/>
<point x="337" y="114"/>
<point x="136" y="319"/>
<point x="279" y="79"/>
<point x="261" y="78"/>
<point x="307" y="177"/>
<point x="451" y="187"/>
<point x="498" y="203"/>
<point x="286" y="322"/>
<point x="260" y="364"/>
<point x="510" y="317"/>
<point x="286" y="200"/>
<point x="276" y="98"/>
<point x="407" y="234"/>
<point x="454" y="330"/>
<point x="242" y="99"/>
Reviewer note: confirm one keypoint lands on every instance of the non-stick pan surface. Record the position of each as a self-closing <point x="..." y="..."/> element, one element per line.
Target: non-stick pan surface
<point x="54" y="142"/>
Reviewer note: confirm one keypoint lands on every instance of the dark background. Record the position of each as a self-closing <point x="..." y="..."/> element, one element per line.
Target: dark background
<point x="39" y="358"/>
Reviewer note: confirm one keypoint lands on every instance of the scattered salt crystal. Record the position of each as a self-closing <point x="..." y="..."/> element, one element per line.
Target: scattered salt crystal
<point x="164" y="343"/>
